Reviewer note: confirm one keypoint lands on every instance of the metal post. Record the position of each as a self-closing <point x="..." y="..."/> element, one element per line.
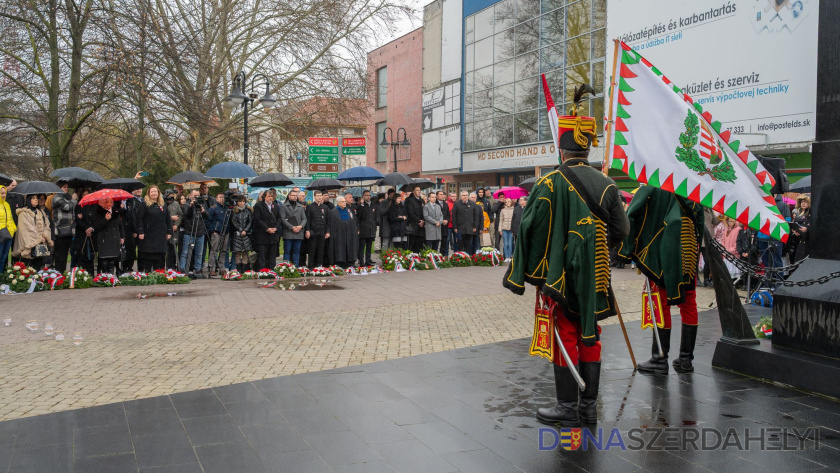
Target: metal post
<point x="245" y="118"/>
<point x="394" y="146"/>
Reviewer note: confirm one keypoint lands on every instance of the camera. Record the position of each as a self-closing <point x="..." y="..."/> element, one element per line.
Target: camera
<point x="231" y="196"/>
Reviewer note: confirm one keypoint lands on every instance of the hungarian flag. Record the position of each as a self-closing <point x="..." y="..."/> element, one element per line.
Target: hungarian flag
<point x="553" y="118"/>
<point x="661" y="138"/>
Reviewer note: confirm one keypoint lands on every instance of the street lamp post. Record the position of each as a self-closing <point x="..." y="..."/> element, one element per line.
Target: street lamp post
<point x="299" y="157"/>
<point x="394" y="144"/>
<point x="238" y="97"/>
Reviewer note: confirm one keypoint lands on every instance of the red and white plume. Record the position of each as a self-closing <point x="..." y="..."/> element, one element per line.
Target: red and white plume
<point x="553" y="118"/>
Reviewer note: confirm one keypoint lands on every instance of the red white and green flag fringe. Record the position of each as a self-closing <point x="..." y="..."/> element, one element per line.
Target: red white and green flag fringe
<point x="662" y="138"/>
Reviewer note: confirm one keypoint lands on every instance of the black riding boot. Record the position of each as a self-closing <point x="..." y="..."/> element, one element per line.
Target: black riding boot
<point x="591" y="374"/>
<point x="658" y="364"/>
<point x="688" y="337"/>
<point x="565" y="413"/>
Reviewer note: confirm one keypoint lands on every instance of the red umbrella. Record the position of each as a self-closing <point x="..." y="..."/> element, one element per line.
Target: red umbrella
<point x="627" y="196"/>
<point x="115" y="194"/>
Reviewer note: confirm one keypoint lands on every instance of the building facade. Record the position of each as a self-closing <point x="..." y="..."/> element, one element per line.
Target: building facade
<point x="394" y="102"/>
<point x="482" y="107"/>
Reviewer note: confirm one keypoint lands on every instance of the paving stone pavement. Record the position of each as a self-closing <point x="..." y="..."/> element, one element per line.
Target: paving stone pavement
<point x="220" y="333"/>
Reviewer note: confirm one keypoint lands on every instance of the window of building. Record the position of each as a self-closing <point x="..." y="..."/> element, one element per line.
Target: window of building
<point x="381" y="154"/>
<point x="381" y="87"/>
<point x="508" y="46"/>
<point x="464" y="186"/>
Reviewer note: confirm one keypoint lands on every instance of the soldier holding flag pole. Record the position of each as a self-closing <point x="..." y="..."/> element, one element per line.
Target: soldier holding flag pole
<point x="574" y="215"/>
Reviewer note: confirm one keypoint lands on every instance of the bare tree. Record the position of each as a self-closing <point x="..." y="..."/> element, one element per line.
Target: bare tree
<point x="57" y="68"/>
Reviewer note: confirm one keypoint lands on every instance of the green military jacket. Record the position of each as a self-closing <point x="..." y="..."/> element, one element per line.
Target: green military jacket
<point x="562" y="248"/>
<point x="665" y="233"/>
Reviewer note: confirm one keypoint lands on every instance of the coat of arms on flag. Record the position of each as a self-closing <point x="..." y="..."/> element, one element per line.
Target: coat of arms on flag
<point x="542" y="341"/>
<point x="647" y="320"/>
<point x="570" y="439"/>
<point x="660" y="137"/>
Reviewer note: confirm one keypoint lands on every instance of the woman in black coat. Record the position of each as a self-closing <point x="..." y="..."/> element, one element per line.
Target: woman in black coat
<point x="396" y="222"/>
<point x="241" y="221"/>
<point x="153" y="230"/>
<point x="107" y="233"/>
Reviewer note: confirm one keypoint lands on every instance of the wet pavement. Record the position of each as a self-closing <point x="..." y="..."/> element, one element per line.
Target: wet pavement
<point x="468" y="409"/>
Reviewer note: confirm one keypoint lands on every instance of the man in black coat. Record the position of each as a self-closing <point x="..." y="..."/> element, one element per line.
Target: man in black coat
<point x="266" y="230"/>
<point x="366" y="220"/>
<point x="317" y="215"/>
<point x="129" y="223"/>
<point x="414" y="224"/>
<point x="465" y="221"/>
<point x="444" y="225"/>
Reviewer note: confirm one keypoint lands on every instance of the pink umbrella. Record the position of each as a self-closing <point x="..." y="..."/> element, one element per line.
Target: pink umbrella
<point x="789" y="201"/>
<point x="511" y="192"/>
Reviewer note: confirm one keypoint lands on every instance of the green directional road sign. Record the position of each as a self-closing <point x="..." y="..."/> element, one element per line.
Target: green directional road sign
<point x="323" y="159"/>
<point x="348" y="150"/>
<point x="323" y="150"/>
<point x="319" y="175"/>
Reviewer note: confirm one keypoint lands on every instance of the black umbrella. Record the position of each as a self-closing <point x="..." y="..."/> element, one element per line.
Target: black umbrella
<point x="127" y="184"/>
<point x="271" y="179"/>
<point x="188" y="176"/>
<point x="802" y="185"/>
<point x="5" y="180"/>
<point x="324" y="184"/>
<point x="395" y="179"/>
<point x="76" y="176"/>
<point x="421" y="182"/>
<point x="37" y="187"/>
<point x="528" y="184"/>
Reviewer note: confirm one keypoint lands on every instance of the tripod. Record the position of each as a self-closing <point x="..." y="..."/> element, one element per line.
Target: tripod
<point x="222" y="235"/>
<point x="197" y="220"/>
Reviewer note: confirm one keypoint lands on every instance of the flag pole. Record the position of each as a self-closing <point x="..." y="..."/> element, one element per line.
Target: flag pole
<point x="610" y="118"/>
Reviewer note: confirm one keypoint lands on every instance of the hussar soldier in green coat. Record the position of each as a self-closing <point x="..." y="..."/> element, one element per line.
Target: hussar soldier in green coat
<point x="574" y="215"/>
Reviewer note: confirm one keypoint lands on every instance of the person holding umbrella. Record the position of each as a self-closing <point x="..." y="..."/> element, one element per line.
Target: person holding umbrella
<point x="108" y="235"/>
<point x="63" y="225"/>
<point x="33" y="237"/>
<point x="416" y="222"/>
<point x="265" y="230"/>
<point x="153" y="230"/>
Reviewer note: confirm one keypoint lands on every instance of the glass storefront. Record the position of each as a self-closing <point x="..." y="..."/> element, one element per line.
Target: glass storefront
<point x="508" y="46"/>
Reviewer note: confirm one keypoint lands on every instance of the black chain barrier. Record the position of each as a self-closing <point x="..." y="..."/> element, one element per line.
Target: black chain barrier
<point x="764" y="274"/>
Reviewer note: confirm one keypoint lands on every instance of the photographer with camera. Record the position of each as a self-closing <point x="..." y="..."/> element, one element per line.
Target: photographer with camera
<point x="218" y="225"/>
<point x="192" y="245"/>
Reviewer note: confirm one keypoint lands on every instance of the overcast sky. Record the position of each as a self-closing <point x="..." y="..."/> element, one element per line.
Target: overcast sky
<point x="407" y="25"/>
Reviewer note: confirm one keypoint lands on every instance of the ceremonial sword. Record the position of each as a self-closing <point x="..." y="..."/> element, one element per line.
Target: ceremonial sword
<point x="569" y="360"/>
<point x="653" y="318"/>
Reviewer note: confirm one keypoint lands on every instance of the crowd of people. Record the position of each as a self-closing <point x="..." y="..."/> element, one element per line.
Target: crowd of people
<point x="205" y="236"/>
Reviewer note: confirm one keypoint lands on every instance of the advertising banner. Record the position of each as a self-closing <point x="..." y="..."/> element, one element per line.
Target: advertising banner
<point x="751" y="63"/>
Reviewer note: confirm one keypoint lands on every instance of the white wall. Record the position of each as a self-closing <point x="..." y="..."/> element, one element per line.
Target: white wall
<point x="442" y="150"/>
<point x="450" y="67"/>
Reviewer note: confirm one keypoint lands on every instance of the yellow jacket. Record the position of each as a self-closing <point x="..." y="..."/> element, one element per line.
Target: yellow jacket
<point x="6" y="218"/>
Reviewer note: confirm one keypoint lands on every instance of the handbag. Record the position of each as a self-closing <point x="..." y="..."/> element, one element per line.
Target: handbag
<point x="485" y="239"/>
<point x="40" y="250"/>
<point x="123" y="253"/>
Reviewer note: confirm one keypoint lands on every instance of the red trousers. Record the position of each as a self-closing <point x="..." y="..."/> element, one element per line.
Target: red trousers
<point x="688" y="309"/>
<point x="570" y="336"/>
